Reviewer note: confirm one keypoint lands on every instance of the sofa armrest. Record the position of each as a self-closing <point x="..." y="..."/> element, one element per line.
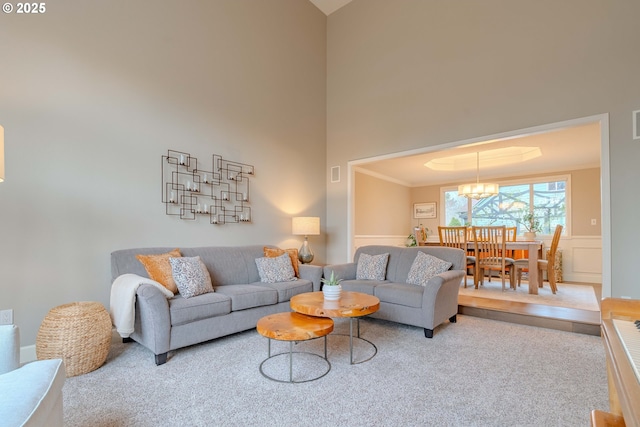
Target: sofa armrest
<point x="440" y="297"/>
<point x="153" y="319"/>
<point x="341" y="271"/>
<point x="450" y="278"/>
<point x="312" y="273"/>
<point x="32" y="395"/>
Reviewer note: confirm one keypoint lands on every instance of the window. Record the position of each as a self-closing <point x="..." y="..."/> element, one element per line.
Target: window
<point x="547" y="200"/>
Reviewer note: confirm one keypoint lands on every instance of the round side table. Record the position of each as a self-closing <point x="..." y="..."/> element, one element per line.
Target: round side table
<point x="79" y="333"/>
<point x="294" y="327"/>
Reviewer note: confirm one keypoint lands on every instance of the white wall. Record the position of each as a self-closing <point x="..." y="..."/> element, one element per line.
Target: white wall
<point x="92" y="94"/>
<point x="409" y="74"/>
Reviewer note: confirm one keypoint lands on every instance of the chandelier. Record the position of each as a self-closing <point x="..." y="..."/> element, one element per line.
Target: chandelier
<point x="478" y="190"/>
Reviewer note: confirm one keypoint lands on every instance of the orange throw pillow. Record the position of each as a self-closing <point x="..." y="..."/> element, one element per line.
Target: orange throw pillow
<point x="159" y="268"/>
<point x="276" y="252"/>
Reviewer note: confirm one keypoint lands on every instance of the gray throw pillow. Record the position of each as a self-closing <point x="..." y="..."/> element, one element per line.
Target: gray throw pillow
<point x="372" y="267"/>
<point x="275" y="269"/>
<point x="424" y="267"/>
<point x="191" y="276"/>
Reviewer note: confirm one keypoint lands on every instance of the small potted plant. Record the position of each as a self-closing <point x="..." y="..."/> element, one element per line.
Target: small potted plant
<point x="331" y="287"/>
<point x="531" y="224"/>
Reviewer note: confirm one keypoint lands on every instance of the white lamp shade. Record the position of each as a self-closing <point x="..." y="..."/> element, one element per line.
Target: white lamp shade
<point x="305" y="226"/>
<point x="478" y="190"/>
<point x="1" y="154"/>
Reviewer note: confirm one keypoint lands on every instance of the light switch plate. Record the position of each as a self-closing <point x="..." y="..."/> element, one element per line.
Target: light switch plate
<point x="6" y="317"/>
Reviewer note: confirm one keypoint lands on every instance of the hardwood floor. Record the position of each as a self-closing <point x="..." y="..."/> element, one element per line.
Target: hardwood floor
<point x="545" y="316"/>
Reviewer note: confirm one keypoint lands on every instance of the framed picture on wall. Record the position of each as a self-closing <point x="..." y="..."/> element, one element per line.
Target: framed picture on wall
<point x="424" y="210"/>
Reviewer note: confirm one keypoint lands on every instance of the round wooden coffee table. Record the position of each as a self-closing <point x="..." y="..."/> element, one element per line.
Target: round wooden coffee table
<point x="294" y="327"/>
<point x="353" y="305"/>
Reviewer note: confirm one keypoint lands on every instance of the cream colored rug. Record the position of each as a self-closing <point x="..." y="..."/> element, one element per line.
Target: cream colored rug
<point x="569" y="295"/>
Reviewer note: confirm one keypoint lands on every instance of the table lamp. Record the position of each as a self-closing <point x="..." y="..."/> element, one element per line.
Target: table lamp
<point x="305" y="226"/>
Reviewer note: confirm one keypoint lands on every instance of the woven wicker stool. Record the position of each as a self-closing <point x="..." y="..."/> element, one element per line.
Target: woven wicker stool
<point x="79" y="333"/>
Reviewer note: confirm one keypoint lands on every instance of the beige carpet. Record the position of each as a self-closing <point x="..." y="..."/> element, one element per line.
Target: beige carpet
<point x="474" y="373"/>
<point x="569" y="295"/>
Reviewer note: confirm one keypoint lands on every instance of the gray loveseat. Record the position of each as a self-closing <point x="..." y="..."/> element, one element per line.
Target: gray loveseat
<point x="423" y="306"/>
<point x="239" y="300"/>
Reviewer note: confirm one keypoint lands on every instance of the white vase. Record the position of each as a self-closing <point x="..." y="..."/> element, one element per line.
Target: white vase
<point x="530" y="235"/>
<point x="331" y="293"/>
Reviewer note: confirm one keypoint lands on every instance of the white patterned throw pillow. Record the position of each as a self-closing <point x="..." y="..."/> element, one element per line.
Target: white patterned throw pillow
<point x="372" y="267"/>
<point x="275" y="269"/>
<point x="191" y="276"/>
<point x="424" y="267"/>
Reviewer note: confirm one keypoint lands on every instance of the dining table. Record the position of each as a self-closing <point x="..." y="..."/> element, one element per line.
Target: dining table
<point x="534" y="248"/>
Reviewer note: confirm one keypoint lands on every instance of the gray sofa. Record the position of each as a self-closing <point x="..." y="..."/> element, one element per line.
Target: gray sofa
<point x="423" y="306"/>
<point x="239" y="300"/>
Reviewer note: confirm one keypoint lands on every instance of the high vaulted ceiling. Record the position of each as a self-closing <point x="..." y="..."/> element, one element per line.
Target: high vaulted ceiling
<point x="329" y="6"/>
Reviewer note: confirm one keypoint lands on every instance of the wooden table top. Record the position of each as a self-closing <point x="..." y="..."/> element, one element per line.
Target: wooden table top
<point x="350" y="304"/>
<point x="290" y="326"/>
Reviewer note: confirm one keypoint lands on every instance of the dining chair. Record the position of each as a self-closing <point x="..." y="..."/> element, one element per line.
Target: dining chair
<point x="548" y="265"/>
<point x="490" y="247"/>
<point x="510" y="233"/>
<point x="456" y="237"/>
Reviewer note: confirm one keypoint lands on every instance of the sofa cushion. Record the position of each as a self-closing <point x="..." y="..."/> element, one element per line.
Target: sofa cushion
<point x="400" y="293"/>
<point x="230" y="265"/>
<point x="293" y="254"/>
<point x="191" y="276"/>
<point x="159" y="269"/>
<point x="187" y="310"/>
<point x="277" y="269"/>
<point x="286" y="290"/>
<point x="372" y="267"/>
<point x="364" y="286"/>
<point x="248" y="296"/>
<point x="424" y="267"/>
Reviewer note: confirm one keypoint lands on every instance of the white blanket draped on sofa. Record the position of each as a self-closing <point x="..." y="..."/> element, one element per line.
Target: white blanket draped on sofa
<point x="123" y="301"/>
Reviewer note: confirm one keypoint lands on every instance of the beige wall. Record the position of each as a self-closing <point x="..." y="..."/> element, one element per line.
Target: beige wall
<point x="427" y="194"/>
<point x="585" y="202"/>
<point x="406" y="74"/>
<point x="381" y="207"/>
<point x="92" y="94"/>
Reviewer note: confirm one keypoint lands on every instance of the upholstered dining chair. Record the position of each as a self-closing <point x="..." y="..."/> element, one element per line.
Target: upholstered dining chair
<point x="456" y="237"/>
<point x="490" y="247"/>
<point x="548" y="265"/>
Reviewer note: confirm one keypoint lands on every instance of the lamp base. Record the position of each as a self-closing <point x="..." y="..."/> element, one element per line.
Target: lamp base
<point x="305" y="255"/>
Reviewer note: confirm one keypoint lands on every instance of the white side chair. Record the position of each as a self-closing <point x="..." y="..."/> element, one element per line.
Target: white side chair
<point x="31" y="394"/>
